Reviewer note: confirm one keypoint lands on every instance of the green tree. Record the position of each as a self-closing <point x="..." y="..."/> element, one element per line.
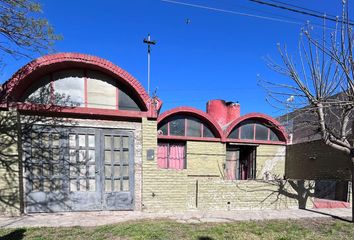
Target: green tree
<point x="23" y="31"/>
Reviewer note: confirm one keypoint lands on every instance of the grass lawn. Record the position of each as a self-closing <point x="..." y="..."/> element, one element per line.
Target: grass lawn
<point x="166" y="229"/>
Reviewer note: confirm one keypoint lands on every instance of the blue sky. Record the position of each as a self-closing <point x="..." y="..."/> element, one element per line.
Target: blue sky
<point x="216" y="56"/>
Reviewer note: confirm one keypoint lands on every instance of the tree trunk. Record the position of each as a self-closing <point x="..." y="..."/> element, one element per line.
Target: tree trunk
<point x="352" y="172"/>
<point x="352" y="168"/>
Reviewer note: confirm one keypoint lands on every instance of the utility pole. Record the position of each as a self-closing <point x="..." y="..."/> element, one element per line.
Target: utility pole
<point x="149" y="42"/>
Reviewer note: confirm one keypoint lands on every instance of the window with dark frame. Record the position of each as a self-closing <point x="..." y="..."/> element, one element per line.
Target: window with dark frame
<point x="82" y="169"/>
<point x="250" y="130"/>
<point x="247" y="131"/>
<point x="45" y="160"/>
<point x="194" y="128"/>
<point x="185" y="126"/>
<point x="171" y="155"/>
<point x="81" y="88"/>
<point x="177" y="126"/>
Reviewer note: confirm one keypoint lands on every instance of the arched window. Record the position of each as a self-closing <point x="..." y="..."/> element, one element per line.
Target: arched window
<point x="81" y="88"/>
<point x="178" y="126"/>
<point x="185" y="126"/>
<point x="255" y="130"/>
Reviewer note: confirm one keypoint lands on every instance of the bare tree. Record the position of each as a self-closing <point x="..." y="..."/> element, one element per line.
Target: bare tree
<point x="22" y="30"/>
<point x="320" y="82"/>
<point x="28" y="134"/>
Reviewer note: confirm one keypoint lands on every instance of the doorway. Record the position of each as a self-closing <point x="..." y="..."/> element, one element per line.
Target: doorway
<point x="78" y="169"/>
<point x="240" y="162"/>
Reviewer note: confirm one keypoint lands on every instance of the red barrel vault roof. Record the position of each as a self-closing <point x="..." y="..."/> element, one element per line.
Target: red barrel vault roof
<point x="28" y="74"/>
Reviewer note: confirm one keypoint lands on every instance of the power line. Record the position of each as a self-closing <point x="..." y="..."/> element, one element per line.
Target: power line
<point x="303" y="8"/>
<point x="231" y="12"/>
<point x="239" y="13"/>
<point x="309" y="12"/>
<point x="266" y="12"/>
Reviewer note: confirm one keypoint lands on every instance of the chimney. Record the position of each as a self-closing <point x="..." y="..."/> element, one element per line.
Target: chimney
<point x="233" y="111"/>
<point x="223" y="112"/>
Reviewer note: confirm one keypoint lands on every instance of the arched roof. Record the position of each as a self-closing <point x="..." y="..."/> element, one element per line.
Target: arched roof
<point x="205" y="118"/>
<point x="27" y="75"/>
<point x="278" y="128"/>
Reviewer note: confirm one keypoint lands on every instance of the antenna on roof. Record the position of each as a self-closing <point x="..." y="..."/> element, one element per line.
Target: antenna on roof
<point x="149" y="42"/>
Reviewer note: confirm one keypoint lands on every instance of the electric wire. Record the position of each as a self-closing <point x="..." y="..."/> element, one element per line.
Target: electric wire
<point x="231" y="12"/>
<point x="266" y="12"/>
<point x="283" y="19"/>
<point x="303" y="8"/>
<point x="312" y="13"/>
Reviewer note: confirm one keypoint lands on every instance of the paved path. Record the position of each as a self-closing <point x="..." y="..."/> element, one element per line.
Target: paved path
<point x="106" y="217"/>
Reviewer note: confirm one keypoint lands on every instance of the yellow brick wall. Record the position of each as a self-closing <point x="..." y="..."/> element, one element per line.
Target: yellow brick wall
<point x="169" y="189"/>
<point x="205" y="158"/>
<point x="9" y="167"/>
<point x="270" y="162"/>
<point x="162" y="189"/>
<point x="252" y="194"/>
<point x="201" y="185"/>
<point x="204" y="161"/>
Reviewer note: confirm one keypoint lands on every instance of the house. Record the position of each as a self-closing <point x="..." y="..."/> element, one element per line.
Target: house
<point x="79" y="133"/>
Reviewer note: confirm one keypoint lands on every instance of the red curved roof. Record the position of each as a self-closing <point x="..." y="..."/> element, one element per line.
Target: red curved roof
<point x="280" y="130"/>
<point x="210" y="122"/>
<point x="27" y="75"/>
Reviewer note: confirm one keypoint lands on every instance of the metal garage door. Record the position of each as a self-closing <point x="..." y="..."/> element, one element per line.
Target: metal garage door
<point x="81" y="169"/>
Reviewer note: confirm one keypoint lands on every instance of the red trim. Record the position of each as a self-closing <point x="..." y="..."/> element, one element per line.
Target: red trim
<point x="279" y="129"/>
<point x="185" y="126"/>
<point x="52" y="86"/>
<point x="254" y="141"/>
<point x="325" y="203"/>
<point x="268" y="134"/>
<point x="186" y="138"/>
<point x="254" y="132"/>
<point x="117" y="98"/>
<point x="204" y="117"/>
<point x="168" y="128"/>
<point x="23" y="78"/>
<point x="85" y="88"/>
<point x="80" y="111"/>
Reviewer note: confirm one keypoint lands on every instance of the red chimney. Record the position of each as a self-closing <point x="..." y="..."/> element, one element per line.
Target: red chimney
<point x="233" y="111"/>
<point x="223" y="112"/>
